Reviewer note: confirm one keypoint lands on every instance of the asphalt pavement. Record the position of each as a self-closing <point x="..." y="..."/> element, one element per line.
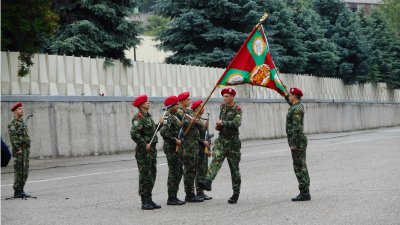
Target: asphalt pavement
<point x="355" y="179"/>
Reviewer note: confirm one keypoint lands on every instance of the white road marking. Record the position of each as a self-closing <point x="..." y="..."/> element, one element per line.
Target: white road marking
<point x="163" y="164"/>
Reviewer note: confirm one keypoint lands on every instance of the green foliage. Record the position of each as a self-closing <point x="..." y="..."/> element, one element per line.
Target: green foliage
<point x="205" y="33"/>
<point x="391" y="11"/>
<point x="96" y="28"/>
<point x="146" y="6"/>
<point x="25" y="26"/>
<point x="385" y="50"/>
<point x="156" y="25"/>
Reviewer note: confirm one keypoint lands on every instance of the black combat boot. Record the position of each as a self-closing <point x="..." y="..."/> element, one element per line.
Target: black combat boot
<point x="146" y="205"/>
<point x="303" y="196"/>
<point x="18" y="194"/>
<point x="191" y="197"/>
<point x="204" y="196"/>
<point x="204" y="184"/>
<point x="155" y="205"/>
<point x="233" y="199"/>
<point x="174" y="201"/>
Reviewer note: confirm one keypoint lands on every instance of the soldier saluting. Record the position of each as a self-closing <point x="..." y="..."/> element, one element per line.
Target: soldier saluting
<point x="142" y="131"/>
<point x="298" y="142"/>
<point x="227" y="145"/>
<point x="20" y="143"/>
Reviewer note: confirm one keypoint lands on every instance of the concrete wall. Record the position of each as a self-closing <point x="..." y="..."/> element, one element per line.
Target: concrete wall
<point x="75" y="128"/>
<point x="57" y="75"/>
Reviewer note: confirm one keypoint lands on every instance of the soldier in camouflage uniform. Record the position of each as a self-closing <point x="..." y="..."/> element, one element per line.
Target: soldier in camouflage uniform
<point x="142" y="131"/>
<point x="202" y="158"/>
<point x="298" y="142"/>
<point x="227" y="144"/>
<point x="20" y="143"/>
<point x="190" y="147"/>
<point x="170" y="132"/>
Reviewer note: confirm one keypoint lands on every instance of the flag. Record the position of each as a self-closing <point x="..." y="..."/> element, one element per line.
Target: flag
<point x="253" y="65"/>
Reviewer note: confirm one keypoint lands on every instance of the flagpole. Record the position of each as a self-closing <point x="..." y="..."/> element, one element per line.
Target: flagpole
<point x="262" y="19"/>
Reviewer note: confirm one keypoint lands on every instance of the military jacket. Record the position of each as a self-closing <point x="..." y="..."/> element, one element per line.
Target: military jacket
<point x="143" y="128"/>
<point x="19" y="136"/>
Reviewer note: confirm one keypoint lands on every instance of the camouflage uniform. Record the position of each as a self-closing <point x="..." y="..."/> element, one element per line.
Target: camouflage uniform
<point x="143" y="128"/>
<point x="298" y="143"/>
<point x="202" y="159"/>
<point x="169" y="132"/>
<point x="190" y="152"/>
<point x="228" y="145"/>
<point x="20" y="140"/>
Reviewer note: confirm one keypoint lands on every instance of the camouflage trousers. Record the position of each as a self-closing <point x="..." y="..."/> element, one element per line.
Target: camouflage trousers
<point x="147" y="165"/>
<point x="228" y="148"/>
<point x="191" y="151"/>
<point x="175" y="169"/>
<point x="202" y="167"/>
<point x="300" y="168"/>
<point x="21" y="170"/>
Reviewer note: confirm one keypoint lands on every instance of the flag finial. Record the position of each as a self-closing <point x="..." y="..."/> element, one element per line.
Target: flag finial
<point x="262" y="19"/>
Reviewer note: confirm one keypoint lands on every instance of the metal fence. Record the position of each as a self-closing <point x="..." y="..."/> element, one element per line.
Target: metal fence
<point x="59" y="75"/>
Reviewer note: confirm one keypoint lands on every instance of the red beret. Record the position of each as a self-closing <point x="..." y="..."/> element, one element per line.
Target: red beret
<point x="171" y="100"/>
<point x="196" y="104"/>
<point x="228" y="91"/>
<point x="139" y="100"/>
<point x="16" y="106"/>
<point x="296" y="91"/>
<point x="183" y="96"/>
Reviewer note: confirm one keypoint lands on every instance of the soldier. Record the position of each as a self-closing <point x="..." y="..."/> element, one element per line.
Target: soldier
<point x="227" y="145"/>
<point x="20" y="143"/>
<point x="190" y="147"/>
<point x="143" y="128"/>
<point x="298" y="142"/>
<point x="202" y="159"/>
<point x="170" y="132"/>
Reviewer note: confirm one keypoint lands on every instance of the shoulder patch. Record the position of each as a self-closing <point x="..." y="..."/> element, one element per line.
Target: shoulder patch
<point x="139" y="115"/>
<point x="238" y="108"/>
<point x="12" y="128"/>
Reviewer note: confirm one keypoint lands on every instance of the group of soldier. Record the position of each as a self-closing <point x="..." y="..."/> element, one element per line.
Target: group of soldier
<point x="186" y="146"/>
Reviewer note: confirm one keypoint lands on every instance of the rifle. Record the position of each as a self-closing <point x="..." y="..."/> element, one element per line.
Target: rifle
<point x="207" y="137"/>
<point x="158" y="126"/>
<point x="181" y="135"/>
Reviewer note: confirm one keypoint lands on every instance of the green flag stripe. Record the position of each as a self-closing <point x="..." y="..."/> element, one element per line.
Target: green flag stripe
<point x="235" y="77"/>
<point x="258" y="48"/>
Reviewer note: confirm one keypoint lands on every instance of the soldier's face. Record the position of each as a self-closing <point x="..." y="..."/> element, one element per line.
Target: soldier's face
<point x="228" y="99"/>
<point x="198" y="108"/>
<point x="186" y="102"/>
<point x="174" y="109"/>
<point x="19" y="112"/>
<point x="292" y="97"/>
<point x="145" y="106"/>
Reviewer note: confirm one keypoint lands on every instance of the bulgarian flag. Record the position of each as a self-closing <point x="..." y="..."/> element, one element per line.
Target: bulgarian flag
<point x="253" y="65"/>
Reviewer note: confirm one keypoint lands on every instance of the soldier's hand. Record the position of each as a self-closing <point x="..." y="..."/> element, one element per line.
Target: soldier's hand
<point x="161" y="121"/>
<point x="219" y="122"/>
<point x="148" y="147"/>
<point x="206" y="144"/>
<point x="293" y="148"/>
<point x="19" y="152"/>
<point x="178" y="142"/>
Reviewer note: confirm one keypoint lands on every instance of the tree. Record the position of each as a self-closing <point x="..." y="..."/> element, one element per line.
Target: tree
<point x="25" y="26"/>
<point x="385" y="50"/>
<point x="96" y="28"/>
<point x="322" y="55"/>
<point x="205" y="33"/>
<point x="284" y="36"/>
<point x="156" y="25"/>
<point x="391" y="10"/>
<point x="345" y="31"/>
